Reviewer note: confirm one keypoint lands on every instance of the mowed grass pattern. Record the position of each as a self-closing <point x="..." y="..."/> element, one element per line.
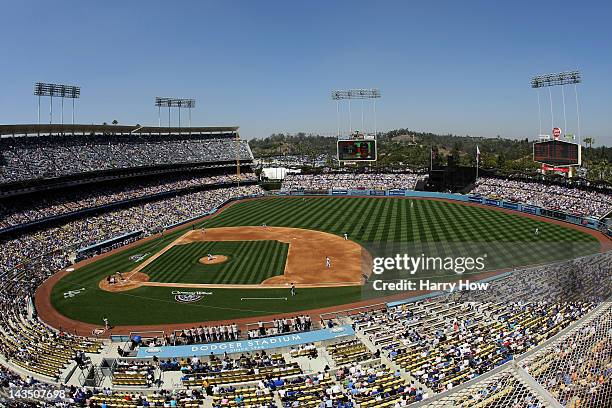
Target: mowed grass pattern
<point x="366" y="220"/>
<point x="394" y="220"/>
<point x="390" y="225"/>
<point x="250" y="262"/>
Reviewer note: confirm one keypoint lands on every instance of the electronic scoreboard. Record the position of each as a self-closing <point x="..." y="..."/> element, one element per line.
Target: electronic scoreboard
<point x="557" y="153"/>
<point x="357" y="150"/>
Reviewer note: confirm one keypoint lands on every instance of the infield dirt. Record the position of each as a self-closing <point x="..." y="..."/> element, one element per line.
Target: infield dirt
<point x="305" y="266"/>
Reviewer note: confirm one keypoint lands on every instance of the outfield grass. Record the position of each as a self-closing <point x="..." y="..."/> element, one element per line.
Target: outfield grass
<point x="369" y="221"/>
<point x="244" y="265"/>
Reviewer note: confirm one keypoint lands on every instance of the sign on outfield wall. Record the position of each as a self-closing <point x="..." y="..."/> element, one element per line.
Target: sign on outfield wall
<point x="265" y="343"/>
<point x="530" y="209"/>
<point x="489" y="201"/>
<point x="510" y="206"/>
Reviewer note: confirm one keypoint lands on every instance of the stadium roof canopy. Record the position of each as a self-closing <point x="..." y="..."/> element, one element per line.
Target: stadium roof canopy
<point x="47" y="129"/>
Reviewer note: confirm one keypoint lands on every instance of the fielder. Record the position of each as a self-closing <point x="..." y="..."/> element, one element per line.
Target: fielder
<point x="537" y="231"/>
<point x="327" y="262"/>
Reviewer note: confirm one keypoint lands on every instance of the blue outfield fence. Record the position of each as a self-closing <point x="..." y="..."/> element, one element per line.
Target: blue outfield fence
<point x="286" y="340"/>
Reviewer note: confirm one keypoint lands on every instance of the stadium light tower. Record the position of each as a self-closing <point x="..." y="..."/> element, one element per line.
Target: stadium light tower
<point x="59" y="90"/>
<point x="558" y="79"/>
<point x="350" y="94"/>
<point x="173" y="103"/>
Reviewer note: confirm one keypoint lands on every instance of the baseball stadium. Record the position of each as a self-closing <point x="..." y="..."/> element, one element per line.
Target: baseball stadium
<point x="179" y="265"/>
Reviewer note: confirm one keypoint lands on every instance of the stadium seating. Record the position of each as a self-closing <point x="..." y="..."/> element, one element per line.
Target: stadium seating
<point x="378" y="181"/>
<point x="35" y="157"/>
<point x="244" y="369"/>
<point x="428" y="349"/>
<point x="148" y="217"/>
<point x="577" y="369"/>
<point x="133" y="373"/>
<point x="347" y="352"/>
<point x="28" y="209"/>
<point x="448" y="340"/>
<point x="572" y="200"/>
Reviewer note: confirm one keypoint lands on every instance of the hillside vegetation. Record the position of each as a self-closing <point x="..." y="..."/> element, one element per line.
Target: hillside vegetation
<point x="406" y="148"/>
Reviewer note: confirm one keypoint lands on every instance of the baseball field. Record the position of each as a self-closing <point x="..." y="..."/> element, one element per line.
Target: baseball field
<point x="240" y="262"/>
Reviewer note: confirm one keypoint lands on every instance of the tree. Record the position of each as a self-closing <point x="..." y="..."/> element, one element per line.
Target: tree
<point x="501" y="160"/>
<point x="487" y="160"/>
<point x="115" y="122"/>
<point x="589" y="141"/>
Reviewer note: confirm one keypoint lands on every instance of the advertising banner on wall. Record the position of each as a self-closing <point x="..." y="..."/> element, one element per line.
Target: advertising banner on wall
<point x="286" y="340"/>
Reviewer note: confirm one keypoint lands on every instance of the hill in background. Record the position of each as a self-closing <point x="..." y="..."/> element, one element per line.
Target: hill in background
<point x="407" y="148"/>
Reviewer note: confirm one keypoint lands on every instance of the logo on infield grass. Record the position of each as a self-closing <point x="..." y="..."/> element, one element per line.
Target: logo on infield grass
<point x="139" y="257"/>
<point x="73" y="293"/>
<point x="189" y="297"/>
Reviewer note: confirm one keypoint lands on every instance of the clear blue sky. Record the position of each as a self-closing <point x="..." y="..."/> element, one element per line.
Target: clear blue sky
<point x="269" y="66"/>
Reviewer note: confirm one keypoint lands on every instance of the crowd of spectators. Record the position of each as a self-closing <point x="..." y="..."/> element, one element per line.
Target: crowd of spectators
<point x="280" y="326"/>
<point x="206" y="334"/>
<point x="34" y="157"/>
<point x="312" y="390"/>
<point x="149" y="217"/>
<point x="378" y="383"/>
<point x="374" y="181"/>
<point x="26" y="261"/>
<point x="550" y="196"/>
<point x="447" y="340"/>
<point x="24" y="340"/>
<point x="577" y="369"/>
<point x="20" y="211"/>
<point x="439" y="343"/>
<point x="73" y="396"/>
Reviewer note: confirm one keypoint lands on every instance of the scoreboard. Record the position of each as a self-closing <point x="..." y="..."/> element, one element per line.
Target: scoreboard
<point x="557" y="153"/>
<point x="357" y="150"/>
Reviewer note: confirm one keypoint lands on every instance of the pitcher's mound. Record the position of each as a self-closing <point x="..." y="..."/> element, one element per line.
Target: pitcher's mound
<point x="217" y="259"/>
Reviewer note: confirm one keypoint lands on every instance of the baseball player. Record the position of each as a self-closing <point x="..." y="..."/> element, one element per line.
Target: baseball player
<point x="345" y="236"/>
<point x="327" y="262"/>
<point x="293" y="289"/>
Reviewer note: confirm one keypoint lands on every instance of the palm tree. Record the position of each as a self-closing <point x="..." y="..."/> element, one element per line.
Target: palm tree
<point x="589" y="141"/>
<point x="115" y="122"/>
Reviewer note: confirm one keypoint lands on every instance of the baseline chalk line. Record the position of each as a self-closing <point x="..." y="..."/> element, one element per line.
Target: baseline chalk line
<point x="263" y="298"/>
